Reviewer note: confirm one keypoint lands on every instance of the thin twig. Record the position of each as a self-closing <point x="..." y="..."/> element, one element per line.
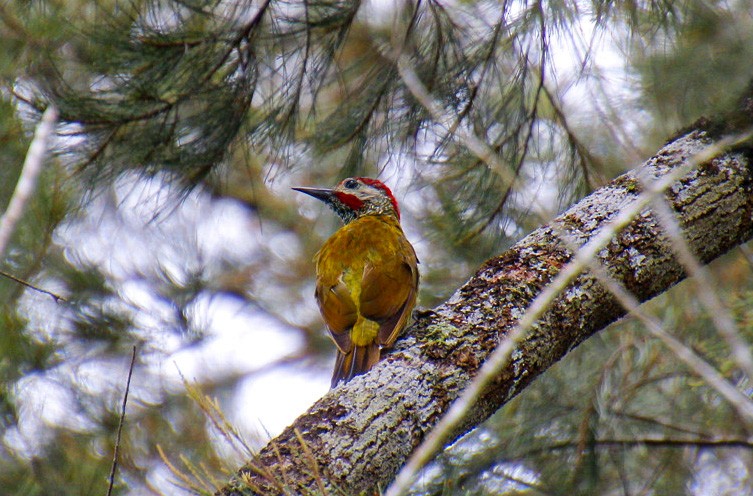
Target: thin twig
<point x="699" y="275"/>
<point x="18" y="30"/>
<point x="120" y="424"/>
<point x="742" y="403"/>
<point x="640" y="443"/>
<point x="478" y="147"/>
<point x="29" y="285"/>
<point x="27" y="181"/>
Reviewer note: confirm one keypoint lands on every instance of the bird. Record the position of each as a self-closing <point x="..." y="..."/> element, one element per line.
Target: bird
<point x="366" y="274"/>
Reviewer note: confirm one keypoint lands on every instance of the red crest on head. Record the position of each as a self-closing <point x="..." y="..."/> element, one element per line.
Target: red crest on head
<point x="376" y="183"/>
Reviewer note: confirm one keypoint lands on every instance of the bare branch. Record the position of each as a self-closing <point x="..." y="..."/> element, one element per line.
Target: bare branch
<point x="720" y="443"/>
<point x="720" y="316"/>
<point x="116" y="451"/>
<point x="29" y="285"/>
<point x="583" y="258"/>
<point x="477" y="146"/>
<point x="701" y="367"/>
<point x="27" y="181"/>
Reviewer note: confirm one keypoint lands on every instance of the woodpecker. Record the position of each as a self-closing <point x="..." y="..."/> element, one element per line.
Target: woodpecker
<point x="366" y="274"/>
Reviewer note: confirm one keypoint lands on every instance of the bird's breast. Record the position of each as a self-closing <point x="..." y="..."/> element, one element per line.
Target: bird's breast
<point x="366" y="240"/>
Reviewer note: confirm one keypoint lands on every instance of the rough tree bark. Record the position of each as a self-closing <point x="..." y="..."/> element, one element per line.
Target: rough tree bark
<point x="359" y="435"/>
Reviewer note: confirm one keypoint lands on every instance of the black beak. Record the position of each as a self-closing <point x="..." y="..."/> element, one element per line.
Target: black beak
<point x="319" y="193"/>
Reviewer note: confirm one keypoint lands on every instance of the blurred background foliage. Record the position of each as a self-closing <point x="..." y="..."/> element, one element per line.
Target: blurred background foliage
<point x="165" y="220"/>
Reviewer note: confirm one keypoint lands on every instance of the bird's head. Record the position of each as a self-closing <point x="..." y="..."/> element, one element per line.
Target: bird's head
<point x="355" y="197"/>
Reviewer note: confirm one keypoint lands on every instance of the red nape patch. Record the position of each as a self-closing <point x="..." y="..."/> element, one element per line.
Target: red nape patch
<point x="379" y="184"/>
<point x="350" y="201"/>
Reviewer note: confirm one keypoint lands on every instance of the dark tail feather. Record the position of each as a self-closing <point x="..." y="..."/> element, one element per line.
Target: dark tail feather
<point x="359" y="360"/>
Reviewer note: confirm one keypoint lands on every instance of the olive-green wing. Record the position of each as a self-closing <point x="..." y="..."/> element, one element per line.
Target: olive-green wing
<point x="339" y="312"/>
<point x="388" y="292"/>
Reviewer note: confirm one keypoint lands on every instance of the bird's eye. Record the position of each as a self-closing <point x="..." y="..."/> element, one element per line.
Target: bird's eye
<point x="351" y="184"/>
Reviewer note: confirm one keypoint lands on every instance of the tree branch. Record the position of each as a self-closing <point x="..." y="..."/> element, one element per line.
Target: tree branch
<point x="586" y="251"/>
<point x="27" y="182"/>
<point x="359" y="435"/>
